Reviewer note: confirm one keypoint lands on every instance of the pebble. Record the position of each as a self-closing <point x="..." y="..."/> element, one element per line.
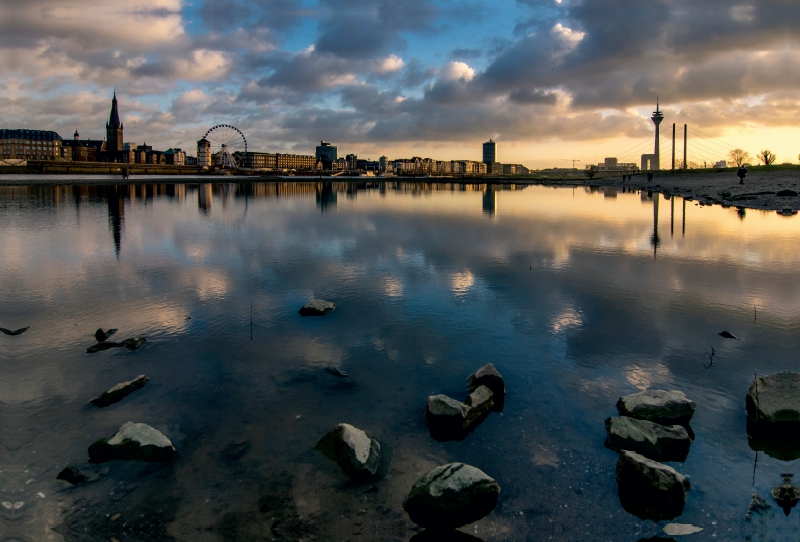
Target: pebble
<point x="115" y="517"/>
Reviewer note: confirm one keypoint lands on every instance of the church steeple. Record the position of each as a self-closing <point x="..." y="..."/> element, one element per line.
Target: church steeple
<point x="114" y="128"/>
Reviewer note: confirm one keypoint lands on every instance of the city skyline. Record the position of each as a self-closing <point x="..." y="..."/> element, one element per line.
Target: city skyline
<point x="549" y="81"/>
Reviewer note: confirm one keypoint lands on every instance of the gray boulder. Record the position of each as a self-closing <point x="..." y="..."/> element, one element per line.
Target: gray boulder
<point x="650" y="490"/>
<point x="119" y="392"/>
<point x="133" y="442"/>
<point x="317" y="307"/>
<point x="72" y="475"/>
<point x="654" y="441"/>
<point x="447" y="418"/>
<point x="774" y="398"/>
<point x="451" y="496"/>
<point x="665" y="407"/>
<point x="480" y="403"/>
<point x="489" y="376"/>
<point x="356" y="453"/>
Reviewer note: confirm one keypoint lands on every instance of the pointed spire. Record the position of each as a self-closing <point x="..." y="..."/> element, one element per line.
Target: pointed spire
<point x="113" y="118"/>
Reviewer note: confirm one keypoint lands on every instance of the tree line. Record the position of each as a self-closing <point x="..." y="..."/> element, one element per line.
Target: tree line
<point x="741" y="157"/>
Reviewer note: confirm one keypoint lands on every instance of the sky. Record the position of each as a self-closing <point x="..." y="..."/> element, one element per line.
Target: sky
<point x="549" y="80"/>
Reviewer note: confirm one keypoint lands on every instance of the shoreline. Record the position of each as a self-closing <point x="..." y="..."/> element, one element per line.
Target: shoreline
<point x="773" y="188"/>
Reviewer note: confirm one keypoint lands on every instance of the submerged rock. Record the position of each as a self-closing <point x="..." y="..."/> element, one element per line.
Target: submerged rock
<point x="480" y="402"/>
<point x="650" y="490"/>
<point x="446" y="535"/>
<point x="451" y="496"/>
<point x="652" y="440"/>
<point x="119" y="392"/>
<point x="356" y="453"/>
<point x="72" y="475"/>
<point x="727" y="335"/>
<point x="681" y="529"/>
<point x="102" y="336"/>
<point x="786" y="495"/>
<point x="335" y="371"/>
<point x="130" y="344"/>
<point x="665" y="407"/>
<point x="490" y="377"/>
<point x="317" y="307"/>
<point x="133" y="442"/>
<point x="757" y="506"/>
<point x="19" y="331"/>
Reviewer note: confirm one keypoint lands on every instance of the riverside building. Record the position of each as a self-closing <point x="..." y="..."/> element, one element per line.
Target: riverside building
<point x="23" y="144"/>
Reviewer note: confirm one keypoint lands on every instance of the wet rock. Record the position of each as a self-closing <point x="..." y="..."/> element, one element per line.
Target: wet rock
<point x="786" y="193"/>
<point x="786" y="495"/>
<point x="317" y="307"/>
<point x="102" y="336"/>
<point x="133" y="442"/>
<point x="774" y="398"/>
<point x="727" y="335"/>
<point x="652" y="440"/>
<point x="757" y="506"/>
<point x="19" y="331"/>
<point x="447" y="418"/>
<point x="451" y="496"/>
<point x="480" y="403"/>
<point x="235" y="450"/>
<point x="130" y="344"/>
<point x="119" y="392"/>
<point x="72" y="475"/>
<point x="664" y="407"/>
<point x="335" y="371"/>
<point x="490" y="377"/>
<point x="356" y="453"/>
<point x="650" y="490"/>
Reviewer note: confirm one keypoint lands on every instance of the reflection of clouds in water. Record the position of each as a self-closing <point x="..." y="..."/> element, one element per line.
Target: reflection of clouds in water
<point x="601" y="386"/>
<point x="211" y="285"/>
<point x="460" y="283"/>
<point x="410" y="258"/>
<point x="393" y="287"/>
<point x="643" y="378"/>
<point x="196" y="253"/>
<point x="569" y="318"/>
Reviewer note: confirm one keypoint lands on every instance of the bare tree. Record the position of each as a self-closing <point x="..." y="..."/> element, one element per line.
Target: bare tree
<point x="767" y="156"/>
<point x="738" y="157"/>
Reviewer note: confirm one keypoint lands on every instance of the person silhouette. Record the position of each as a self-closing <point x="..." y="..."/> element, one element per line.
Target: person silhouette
<point x="742" y="173"/>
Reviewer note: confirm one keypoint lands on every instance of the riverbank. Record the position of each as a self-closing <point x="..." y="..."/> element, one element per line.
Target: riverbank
<point x="768" y="188"/>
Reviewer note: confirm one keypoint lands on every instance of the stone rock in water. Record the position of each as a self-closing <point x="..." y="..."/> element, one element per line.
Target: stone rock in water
<point x="317" y="307"/>
<point x="451" y="496"/>
<point x="72" y="475"/>
<point x="133" y="442"/>
<point x="13" y="332"/>
<point x="102" y="336"/>
<point x="757" y="506"/>
<point x="119" y="392"/>
<point x="447" y="418"/>
<point x="654" y="441"/>
<point x="488" y="376"/>
<point x="774" y="398"/>
<point x="650" y="490"/>
<point x="680" y="529"/>
<point x="356" y="453"/>
<point x="665" y="407"/>
<point x="480" y="402"/>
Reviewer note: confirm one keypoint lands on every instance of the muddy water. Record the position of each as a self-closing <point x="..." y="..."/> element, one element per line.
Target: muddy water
<point x="576" y="296"/>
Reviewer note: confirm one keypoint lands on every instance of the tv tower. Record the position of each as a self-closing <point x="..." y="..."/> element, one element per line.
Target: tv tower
<point x="657" y="117"/>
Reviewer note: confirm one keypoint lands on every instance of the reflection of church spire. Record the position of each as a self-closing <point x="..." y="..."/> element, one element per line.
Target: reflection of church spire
<point x="116" y="217"/>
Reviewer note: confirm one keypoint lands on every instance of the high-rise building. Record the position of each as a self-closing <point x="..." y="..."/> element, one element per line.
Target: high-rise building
<point x="489" y="152"/>
<point x="326" y="152"/>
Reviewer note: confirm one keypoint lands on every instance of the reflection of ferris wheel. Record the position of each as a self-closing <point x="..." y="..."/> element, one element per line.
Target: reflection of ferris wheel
<point x="228" y="145"/>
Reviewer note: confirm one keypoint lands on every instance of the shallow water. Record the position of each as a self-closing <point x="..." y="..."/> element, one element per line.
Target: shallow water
<point x="577" y="296"/>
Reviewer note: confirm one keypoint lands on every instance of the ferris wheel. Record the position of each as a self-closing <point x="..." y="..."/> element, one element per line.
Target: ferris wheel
<point x="228" y="145"/>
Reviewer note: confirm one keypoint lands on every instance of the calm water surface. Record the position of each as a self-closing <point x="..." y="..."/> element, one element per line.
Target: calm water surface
<point x="577" y="296"/>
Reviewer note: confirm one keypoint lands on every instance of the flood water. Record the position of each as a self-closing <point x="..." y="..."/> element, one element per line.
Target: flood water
<point x="577" y="297"/>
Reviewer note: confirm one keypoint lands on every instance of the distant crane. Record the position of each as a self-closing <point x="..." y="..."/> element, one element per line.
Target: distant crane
<point x="571" y="159"/>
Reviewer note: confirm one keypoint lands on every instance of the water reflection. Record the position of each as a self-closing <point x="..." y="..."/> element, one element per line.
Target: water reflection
<point x="563" y="295"/>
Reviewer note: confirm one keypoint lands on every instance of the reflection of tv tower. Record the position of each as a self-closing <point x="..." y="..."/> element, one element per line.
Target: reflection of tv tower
<point x="657" y="117"/>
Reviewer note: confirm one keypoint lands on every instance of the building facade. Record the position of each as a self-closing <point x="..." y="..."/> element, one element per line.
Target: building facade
<point x="489" y="152"/>
<point x="23" y="144"/>
<point x="326" y="152"/>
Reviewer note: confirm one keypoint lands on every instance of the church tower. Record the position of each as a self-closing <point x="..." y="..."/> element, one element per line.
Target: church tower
<point x="114" y="128"/>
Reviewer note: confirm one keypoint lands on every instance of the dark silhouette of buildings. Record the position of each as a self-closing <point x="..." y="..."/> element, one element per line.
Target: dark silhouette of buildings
<point x="114" y="129"/>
